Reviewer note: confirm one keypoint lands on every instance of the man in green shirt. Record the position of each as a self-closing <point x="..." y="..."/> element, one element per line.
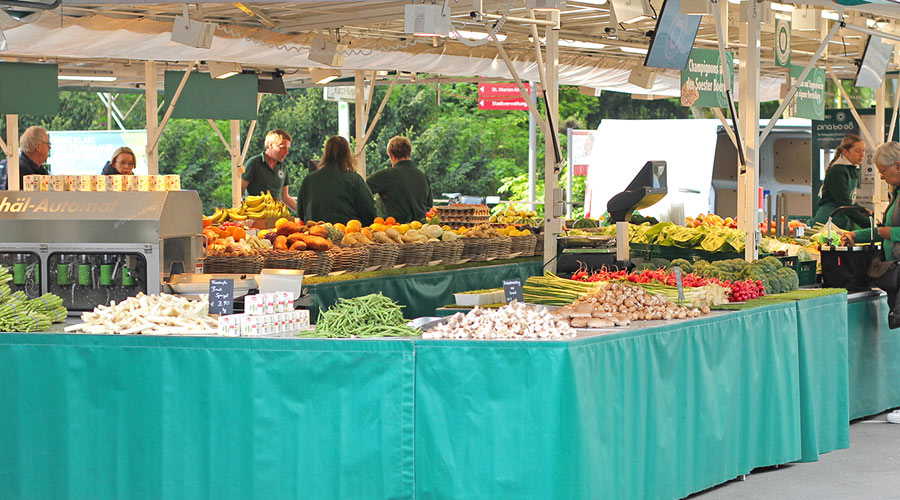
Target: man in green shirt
<point x="267" y="172"/>
<point x="404" y="190"/>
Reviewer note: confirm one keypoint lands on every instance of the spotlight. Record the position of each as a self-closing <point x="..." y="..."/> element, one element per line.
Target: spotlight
<point x="321" y="76"/>
<point x="546" y="4"/>
<point x="192" y="33"/>
<point x="223" y="70"/>
<point x="326" y="52"/>
<point x="426" y="19"/>
<point x="632" y="11"/>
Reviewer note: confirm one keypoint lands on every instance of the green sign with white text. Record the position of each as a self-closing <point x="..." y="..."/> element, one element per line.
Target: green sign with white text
<point x="701" y="79"/>
<point x="810" y="99"/>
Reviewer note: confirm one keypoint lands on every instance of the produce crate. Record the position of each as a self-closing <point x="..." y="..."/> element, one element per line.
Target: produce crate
<point x="458" y="215"/>
<point x="648" y="251"/>
<point x="806" y="271"/>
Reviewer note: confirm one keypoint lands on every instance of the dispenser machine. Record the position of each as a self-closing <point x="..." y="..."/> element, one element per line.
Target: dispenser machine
<point x="93" y="247"/>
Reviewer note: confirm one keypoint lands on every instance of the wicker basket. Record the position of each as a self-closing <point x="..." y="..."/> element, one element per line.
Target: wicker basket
<point x="539" y="244"/>
<point x="498" y="248"/>
<point x="448" y="252"/>
<point x="383" y="255"/>
<point x="415" y="254"/>
<point x="475" y="249"/>
<point x="282" y="259"/>
<point x="350" y="259"/>
<point x="522" y="245"/>
<point x="316" y="263"/>
<point x="251" y="264"/>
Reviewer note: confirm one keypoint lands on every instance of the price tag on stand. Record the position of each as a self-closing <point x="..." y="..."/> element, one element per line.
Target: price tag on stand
<point x="512" y="290"/>
<point x="221" y="296"/>
<point x="680" y="286"/>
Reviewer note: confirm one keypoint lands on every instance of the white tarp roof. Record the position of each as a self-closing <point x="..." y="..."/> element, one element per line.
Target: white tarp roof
<point x="101" y="37"/>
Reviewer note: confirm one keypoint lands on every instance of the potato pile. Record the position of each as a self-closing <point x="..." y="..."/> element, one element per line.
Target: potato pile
<point x="618" y="304"/>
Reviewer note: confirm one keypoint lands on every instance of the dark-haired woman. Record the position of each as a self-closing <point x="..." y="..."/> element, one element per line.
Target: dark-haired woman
<point x="335" y="192"/>
<point x="839" y="186"/>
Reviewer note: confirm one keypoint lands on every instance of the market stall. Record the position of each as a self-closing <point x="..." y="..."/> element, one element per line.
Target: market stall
<point x="662" y="410"/>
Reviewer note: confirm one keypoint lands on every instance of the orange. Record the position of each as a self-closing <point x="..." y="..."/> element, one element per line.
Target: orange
<point x="238" y="233"/>
<point x="354" y="226"/>
<point x="206" y="222"/>
<point x="390" y="221"/>
<point x="379" y="220"/>
<point x="340" y="227"/>
<point x="378" y="227"/>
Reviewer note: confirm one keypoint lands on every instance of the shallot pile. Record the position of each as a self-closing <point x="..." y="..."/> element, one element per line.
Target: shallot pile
<point x="617" y="304"/>
<point x="514" y="321"/>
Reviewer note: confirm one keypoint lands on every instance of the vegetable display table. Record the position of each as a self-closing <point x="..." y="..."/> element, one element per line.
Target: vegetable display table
<point x="874" y="355"/>
<point x="660" y="411"/>
<point x="422" y="292"/>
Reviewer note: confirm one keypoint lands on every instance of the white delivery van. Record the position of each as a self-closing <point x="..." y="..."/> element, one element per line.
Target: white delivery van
<point x="702" y="165"/>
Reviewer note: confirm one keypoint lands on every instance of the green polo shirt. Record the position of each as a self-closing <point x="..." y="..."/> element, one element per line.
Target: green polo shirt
<point x="333" y="195"/>
<point x="263" y="178"/>
<point x="404" y="191"/>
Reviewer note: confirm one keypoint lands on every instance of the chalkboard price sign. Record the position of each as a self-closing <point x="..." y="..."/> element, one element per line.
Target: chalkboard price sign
<point x="512" y="290"/>
<point x="221" y="296"/>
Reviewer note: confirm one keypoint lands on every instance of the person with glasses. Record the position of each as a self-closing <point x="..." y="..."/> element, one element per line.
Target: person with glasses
<point x="34" y="148"/>
<point x="122" y="163"/>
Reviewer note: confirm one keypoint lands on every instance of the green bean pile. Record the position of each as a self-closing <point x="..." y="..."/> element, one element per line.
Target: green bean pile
<point x="371" y="315"/>
<point x="5" y="277"/>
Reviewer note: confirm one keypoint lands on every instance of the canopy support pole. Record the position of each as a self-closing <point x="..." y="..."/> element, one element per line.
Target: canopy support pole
<point x="150" y="101"/>
<point x="796" y="86"/>
<point x="862" y="126"/>
<point x="728" y="129"/>
<point x="748" y="180"/>
<point x="361" y="146"/>
<point x="880" y="192"/>
<point x="249" y="136"/>
<point x="12" y="158"/>
<point x="171" y="109"/>
<point x="361" y="116"/>
<point x="890" y="135"/>
<point x="236" y="167"/>
<point x="553" y="224"/>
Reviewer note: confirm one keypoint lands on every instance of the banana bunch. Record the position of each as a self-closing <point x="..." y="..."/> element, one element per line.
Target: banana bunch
<point x="264" y="206"/>
<point x="219" y="216"/>
<point x="253" y="207"/>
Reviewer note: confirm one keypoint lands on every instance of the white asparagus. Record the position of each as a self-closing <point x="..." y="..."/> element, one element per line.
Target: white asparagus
<point x="149" y="314"/>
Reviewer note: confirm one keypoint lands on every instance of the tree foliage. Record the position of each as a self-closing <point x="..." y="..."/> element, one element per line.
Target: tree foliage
<point x="461" y="148"/>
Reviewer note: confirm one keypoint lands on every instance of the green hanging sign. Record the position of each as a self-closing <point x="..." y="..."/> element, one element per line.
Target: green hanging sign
<point x="28" y="88"/>
<point x="811" y="94"/>
<point x="783" y="43"/>
<point x="701" y="79"/>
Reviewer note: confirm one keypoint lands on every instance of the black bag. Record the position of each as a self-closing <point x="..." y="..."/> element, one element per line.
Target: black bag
<point x="848" y="267"/>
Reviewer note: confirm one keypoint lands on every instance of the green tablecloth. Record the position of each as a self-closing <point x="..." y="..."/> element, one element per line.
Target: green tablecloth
<point x="655" y="413"/>
<point x="824" y="396"/>
<point x="658" y="412"/>
<point x="422" y="293"/>
<point x="874" y="357"/>
<point x="116" y="417"/>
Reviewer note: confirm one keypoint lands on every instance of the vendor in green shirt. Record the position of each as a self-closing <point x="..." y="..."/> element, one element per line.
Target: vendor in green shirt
<point x="404" y="191"/>
<point x="839" y="186"/>
<point x="884" y="270"/>
<point x="267" y="171"/>
<point x="335" y="192"/>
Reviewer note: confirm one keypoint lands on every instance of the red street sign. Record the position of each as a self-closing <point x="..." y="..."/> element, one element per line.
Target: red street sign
<point x="503" y="96"/>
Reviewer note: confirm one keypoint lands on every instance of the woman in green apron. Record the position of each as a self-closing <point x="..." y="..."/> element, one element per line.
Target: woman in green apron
<point x="839" y="186"/>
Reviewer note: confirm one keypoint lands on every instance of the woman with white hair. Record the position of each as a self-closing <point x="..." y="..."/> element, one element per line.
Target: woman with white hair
<point x="885" y="271"/>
